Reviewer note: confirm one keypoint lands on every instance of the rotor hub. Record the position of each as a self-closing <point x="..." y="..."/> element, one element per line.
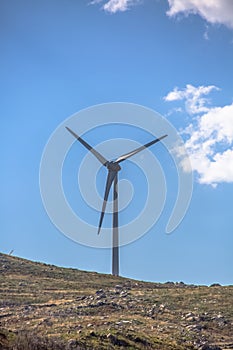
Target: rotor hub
<point x="114" y="166"/>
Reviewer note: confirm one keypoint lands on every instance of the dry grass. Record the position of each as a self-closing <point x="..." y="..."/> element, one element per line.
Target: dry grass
<point x="46" y="307"/>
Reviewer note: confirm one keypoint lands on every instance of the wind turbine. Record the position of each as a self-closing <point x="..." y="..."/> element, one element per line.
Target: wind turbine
<point x="113" y="168"/>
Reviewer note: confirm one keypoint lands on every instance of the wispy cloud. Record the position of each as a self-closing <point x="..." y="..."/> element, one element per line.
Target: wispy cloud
<point x="209" y="136"/>
<point x="114" y="6"/>
<point x="213" y="11"/>
<point x="194" y="97"/>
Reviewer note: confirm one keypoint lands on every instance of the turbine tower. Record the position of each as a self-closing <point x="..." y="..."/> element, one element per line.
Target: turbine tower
<point x="112" y="178"/>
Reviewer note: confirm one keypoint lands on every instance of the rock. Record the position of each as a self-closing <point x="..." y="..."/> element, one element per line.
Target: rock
<point x="194" y="328"/>
<point x="118" y="289"/>
<point x="152" y="311"/>
<point x="205" y="317"/>
<point x="100" y="303"/>
<point x="215" y="285"/>
<point x="220" y="320"/>
<point x="169" y="284"/>
<point x="190" y="319"/>
<point x="100" y="291"/>
<point x="123" y="322"/>
<point x="161" y="308"/>
<point x="210" y="347"/>
<point x="180" y="285"/>
<point x="123" y="294"/>
<point x="101" y="296"/>
<point x="22" y="284"/>
<point x="28" y="308"/>
<point x="93" y="334"/>
<point x="118" y="286"/>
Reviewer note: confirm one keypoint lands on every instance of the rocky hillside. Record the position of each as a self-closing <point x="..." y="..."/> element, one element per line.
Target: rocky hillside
<point x="44" y="307"/>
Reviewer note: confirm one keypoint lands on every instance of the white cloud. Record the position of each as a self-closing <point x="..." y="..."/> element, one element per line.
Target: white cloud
<point x="210" y="145"/>
<point x="114" y="6"/>
<point x="195" y="102"/>
<point x="209" y="137"/>
<point x="213" y="11"/>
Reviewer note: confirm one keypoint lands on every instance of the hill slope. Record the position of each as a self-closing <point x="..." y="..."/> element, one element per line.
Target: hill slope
<point x="46" y="307"/>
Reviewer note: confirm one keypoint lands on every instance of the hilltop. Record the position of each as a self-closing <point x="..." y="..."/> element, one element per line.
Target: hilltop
<point x="44" y="307"/>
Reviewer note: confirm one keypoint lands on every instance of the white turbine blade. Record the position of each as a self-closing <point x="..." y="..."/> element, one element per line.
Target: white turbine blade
<point x="139" y="149"/>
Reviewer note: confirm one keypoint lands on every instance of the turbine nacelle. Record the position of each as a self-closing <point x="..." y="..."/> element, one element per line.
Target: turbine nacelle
<point x="113" y="166"/>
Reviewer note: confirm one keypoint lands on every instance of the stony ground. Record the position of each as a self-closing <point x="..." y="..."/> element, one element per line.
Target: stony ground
<point x="43" y="307"/>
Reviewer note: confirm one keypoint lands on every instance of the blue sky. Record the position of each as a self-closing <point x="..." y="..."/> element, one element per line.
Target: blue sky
<point x="58" y="57"/>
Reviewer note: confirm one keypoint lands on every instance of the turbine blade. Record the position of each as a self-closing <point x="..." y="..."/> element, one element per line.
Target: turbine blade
<point x="110" y="179"/>
<point x="102" y="160"/>
<point x="139" y="149"/>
